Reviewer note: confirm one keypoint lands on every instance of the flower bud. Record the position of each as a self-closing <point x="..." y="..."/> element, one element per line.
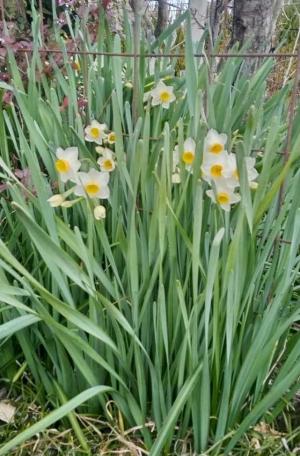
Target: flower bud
<point x="100" y="149"/>
<point x="99" y="212"/>
<point x="253" y="185"/>
<point x="67" y="204"/>
<point x="56" y="200"/>
<point x="176" y="178"/>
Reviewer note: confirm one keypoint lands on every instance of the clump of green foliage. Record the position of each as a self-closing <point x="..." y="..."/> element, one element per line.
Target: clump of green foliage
<point x="170" y="309"/>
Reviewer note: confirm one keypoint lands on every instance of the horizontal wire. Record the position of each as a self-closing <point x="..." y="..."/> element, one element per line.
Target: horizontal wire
<point x="156" y="55"/>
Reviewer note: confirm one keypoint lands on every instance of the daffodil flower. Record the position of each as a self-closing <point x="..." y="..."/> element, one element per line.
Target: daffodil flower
<point x="95" y="132"/>
<point x="187" y="156"/>
<point x="76" y="65"/>
<point x="224" y="196"/>
<point x="162" y="95"/>
<point x="250" y="168"/>
<point x="217" y="168"/>
<point x="111" y="137"/>
<point x="214" y="142"/>
<point x="67" y="163"/>
<point x="107" y="162"/>
<point x="92" y="184"/>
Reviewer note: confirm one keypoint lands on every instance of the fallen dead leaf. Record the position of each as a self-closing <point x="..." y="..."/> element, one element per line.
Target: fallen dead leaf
<point x="7" y="412"/>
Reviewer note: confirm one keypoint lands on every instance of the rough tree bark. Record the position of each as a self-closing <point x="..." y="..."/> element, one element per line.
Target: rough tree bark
<point x="254" y="23"/>
<point x="138" y="8"/>
<point x="217" y="7"/>
<point x="198" y="10"/>
<point x="162" y="17"/>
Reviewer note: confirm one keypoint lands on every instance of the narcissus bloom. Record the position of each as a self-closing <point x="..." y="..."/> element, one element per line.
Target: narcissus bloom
<point x="111" y="137"/>
<point x="250" y="168"/>
<point x="106" y="162"/>
<point x="224" y="196"/>
<point x="92" y="184"/>
<point x="76" y="65"/>
<point x="99" y="212"/>
<point x="95" y="132"/>
<point x="162" y="95"/>
<point x="216" y="167"/>
<point x="188" y="154"/>
<point x="67" y="163"/>
<point x="214" y="142"/>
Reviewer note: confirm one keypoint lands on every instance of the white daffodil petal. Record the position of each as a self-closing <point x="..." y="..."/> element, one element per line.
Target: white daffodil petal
<point x="214" y="142"/>
<point x="251" y="171"/>
<point x="224" y="196"/>
<point x="106" y="164"/>
<point x="188" y="155"/>
<point x="189" y="144"/>
<point x="79" y="190"/>
<point x="211" y="194"/>
<point x="104" y="192"/>
<point x="67" y="163"/>
<point x="92" y="184"/>
<point x="95" y="132"/>
<point x="216" y="167"/>
<point x="162" y="95"/>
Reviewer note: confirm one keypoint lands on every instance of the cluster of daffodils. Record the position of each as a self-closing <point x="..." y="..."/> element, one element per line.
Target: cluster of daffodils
<point x="92" y="184"/>
<point x="219" y="168"/>
<point x="97" y="133"/>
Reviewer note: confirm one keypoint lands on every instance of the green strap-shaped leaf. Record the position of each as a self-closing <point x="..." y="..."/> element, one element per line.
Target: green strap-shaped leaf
<point x="12" y="326"/>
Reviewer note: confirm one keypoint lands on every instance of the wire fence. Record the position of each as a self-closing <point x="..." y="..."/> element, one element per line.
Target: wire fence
<point x="250" y="55"/>
<point x="175" y="8"/>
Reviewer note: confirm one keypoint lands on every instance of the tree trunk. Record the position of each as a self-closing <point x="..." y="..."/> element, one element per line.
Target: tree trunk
<point x="217" y="7"/>
<point x="254" y="23"/>
<point x="198" y="10"/>
<point x="138" y="8"/>
<point x="162" y="17"/>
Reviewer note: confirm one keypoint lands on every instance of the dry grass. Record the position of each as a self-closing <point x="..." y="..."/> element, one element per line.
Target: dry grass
<point x="111" y="438"/>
